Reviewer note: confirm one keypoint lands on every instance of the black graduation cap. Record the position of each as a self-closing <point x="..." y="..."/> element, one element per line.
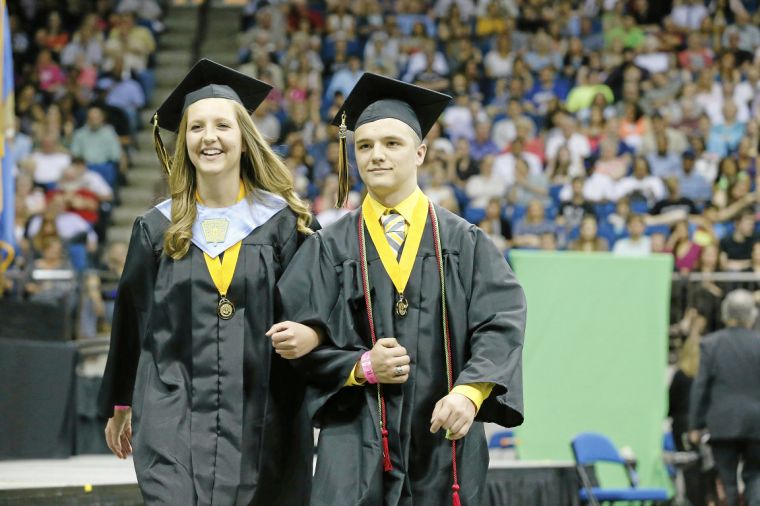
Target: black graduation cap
<point x="378" y="97"/>
<point x="207" y="79"/>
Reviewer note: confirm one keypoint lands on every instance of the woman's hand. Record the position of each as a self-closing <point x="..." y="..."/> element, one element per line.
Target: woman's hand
<point x="293" y="340"/>
<point x="119" y="433"/>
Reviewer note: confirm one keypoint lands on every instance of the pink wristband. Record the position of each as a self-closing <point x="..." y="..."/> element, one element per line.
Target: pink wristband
<point x="369" y="373"/>
<point x="121" y="408"/>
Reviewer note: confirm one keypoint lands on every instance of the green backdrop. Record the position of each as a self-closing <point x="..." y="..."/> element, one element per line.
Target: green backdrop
<point x="595" y="355"/>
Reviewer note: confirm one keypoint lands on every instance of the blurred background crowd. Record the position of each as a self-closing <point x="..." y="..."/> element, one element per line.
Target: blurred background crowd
<point x="583" y="125"/>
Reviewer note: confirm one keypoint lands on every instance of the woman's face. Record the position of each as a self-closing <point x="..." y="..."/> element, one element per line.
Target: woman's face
<point x="588" y="229"/>
<point x="710" y="256"/>
<point x="214" y="140"/>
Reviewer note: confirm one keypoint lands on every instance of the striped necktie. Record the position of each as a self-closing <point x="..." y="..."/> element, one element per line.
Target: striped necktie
<point x="394" y="225"/>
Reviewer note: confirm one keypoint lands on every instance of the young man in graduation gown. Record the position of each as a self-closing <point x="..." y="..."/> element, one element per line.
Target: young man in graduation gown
<point x="405" y="374"/>
<point x="218" y="416"/>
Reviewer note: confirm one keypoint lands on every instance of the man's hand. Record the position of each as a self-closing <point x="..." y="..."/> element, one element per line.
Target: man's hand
<point x="388" y="359"/>
<point x="119" y="433"/>
<point x="293" y="340"/>
<point x="454" y="413"/>
<point x="695" y="436"/>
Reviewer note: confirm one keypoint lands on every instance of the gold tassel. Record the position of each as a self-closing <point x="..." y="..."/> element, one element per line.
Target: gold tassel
<point x="163" y="156"/>
<point x="344" y="184"/>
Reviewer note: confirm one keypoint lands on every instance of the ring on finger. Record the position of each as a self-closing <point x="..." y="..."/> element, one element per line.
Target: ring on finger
<point x="399" y="371"/>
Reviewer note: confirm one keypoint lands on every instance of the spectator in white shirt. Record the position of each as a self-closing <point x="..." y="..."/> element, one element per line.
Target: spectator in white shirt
<point x="636" y="244"/>
<point x="49" y="161"/>
<point x="486" y="185"/>
<point x="688" y="14"/>
<point x="577" y="143"/>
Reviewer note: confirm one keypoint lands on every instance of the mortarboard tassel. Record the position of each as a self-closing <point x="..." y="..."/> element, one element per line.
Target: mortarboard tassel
<point x="163" y="156"/>
<point x="343" y="181"/>
<point x="455" y="496"/>
<point x="387" y="466"/>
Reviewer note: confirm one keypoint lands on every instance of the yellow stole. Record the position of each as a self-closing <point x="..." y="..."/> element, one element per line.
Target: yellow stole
<point x="399" y="270"/>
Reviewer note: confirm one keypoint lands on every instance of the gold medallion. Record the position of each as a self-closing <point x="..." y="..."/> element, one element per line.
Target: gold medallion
<point x="402" y="305"/>
<point x="225" y="309"/>
<point x="215" y="230"/>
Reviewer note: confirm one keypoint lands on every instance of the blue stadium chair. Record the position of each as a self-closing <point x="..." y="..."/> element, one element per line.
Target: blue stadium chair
<point x="551" y="211"/>
<point x="554" y="191"/>
<point x="590" y="448"/>
<point x="604" y="210"/>
<point x="607" y="232"/>
<point x="516" y="213"/>
<point x="474" y="214"/>
<point x="108" y="170"/>
<point x="658" y="229"/>
<point x="502" y="439"/>
<point x="462" y="199"/>
<point x="78" y="256"/>
<point x="639" y="207"/>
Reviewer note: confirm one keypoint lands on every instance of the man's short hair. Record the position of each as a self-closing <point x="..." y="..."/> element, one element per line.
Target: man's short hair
<point x="739" y="306"/>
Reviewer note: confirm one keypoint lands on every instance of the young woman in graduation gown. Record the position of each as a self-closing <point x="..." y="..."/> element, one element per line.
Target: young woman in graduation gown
<point x="437" y="360"/>
<point x="216" y="412"/>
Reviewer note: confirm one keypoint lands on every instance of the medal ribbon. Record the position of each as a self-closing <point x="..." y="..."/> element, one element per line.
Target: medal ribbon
<point x="221" y="271"/>
<point x="398" y="270"/>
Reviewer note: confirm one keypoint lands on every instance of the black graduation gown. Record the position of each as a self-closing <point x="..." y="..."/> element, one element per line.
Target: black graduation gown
<point x="218" y="418"/>
<point x="486" y="308"/>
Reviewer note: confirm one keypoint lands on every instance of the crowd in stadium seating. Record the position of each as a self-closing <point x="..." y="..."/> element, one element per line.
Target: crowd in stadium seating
<point x="82" y="77"/>
<point x="584" y="125"/>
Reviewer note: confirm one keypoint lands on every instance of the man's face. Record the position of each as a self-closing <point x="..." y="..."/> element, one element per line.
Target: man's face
<point x="746" y="225"/>
<point x="388" y="153"/>
<point x="94" y="118"/>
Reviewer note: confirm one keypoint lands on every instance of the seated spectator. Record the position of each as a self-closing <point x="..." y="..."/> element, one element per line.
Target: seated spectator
<point x="641" y="185"/>
<point x="482" y="144"/>
<point x="685" y="251"/>
<point x="558" y="168"/>
<point x="577" y="143"/>
<point x="527" y="232"/>
<point x="96" y="142"/>
<point x="528" y="186"/>
<point x="736" y="249"/>
<point x="499" y="228"/>
<point x="633" y="125"/>
<point x="54" y="290"/>
<point x="696" y="56"/>
<point x="86" y="43"/>
<point x="48" y="75"/>
<point x="572" y="211"/>
<point x="504" y="130"/>
<point x="636" y="244"/>
<point x="693" y="185"/>
<point x="464" y="165"/>
<point x="49" y="161"/>
<point x="676" y="139"/>
<point x="675" y="202"/>
<point x="324" y="204"/>
<point x="124" y="92"/>
<point x="498" y="61"/>
<point x="504" y="164"/>
<point x="610" y="163"/>
<point x="99" y="293"/>
<point x="547" y="87"/>
<point x="724" y="137"/>
<point x="439" y="191"/>
<point x="588" y="241"/>
<point x="131" y="41"/>
<point x="77" y="199"/>
<point x="482" y="187"/>
<point x="68" y="226"/>
<point x="619" y="218"/>
<point x="664" y="162"/>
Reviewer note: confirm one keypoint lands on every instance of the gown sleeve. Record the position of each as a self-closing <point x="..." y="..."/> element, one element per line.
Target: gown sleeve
<point x="496" y="314"/>
<point x="133" y="299"/>
<point x="311" y="294"/>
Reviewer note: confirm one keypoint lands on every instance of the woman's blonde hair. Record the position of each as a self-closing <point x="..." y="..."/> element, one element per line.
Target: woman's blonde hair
<point x="260" y="168"/>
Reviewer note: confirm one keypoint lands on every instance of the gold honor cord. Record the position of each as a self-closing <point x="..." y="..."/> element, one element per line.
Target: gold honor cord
<point x="398" y="271"/>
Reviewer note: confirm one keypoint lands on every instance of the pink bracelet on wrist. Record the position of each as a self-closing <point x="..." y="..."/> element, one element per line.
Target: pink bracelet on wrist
<point x="369" y="373"/>
<point x="121" y="407"/>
